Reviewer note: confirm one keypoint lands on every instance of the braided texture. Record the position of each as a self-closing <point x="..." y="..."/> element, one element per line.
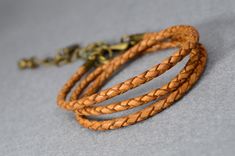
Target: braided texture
<point x="85" y="95"/>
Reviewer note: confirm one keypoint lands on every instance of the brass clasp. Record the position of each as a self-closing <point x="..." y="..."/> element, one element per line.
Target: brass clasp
<point x="98" y="53"/>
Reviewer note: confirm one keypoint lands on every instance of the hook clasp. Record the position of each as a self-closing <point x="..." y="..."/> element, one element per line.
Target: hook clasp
<point x="98" y="53"/>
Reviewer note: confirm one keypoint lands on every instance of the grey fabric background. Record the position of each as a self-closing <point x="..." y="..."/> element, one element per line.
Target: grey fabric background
<point x="202" y="123"/>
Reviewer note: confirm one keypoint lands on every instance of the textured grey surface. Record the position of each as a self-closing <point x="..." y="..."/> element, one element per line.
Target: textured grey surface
<point x="202" y="123"/>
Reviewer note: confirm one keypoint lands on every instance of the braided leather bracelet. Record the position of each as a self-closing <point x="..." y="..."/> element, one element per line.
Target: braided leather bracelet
<point x="183" y="37"/>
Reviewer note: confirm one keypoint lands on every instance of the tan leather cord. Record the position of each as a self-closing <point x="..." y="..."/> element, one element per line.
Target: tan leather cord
<point x="84" y="97"/>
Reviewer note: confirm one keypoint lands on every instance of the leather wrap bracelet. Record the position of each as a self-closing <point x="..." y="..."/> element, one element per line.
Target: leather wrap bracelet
<point x="86" y="94"/>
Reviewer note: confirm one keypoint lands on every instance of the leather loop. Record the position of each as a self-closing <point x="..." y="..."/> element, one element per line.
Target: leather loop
<point x="85" y="96"/>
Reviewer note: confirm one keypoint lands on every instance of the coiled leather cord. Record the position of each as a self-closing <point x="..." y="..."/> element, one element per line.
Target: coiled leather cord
<point x="84" y="97"/>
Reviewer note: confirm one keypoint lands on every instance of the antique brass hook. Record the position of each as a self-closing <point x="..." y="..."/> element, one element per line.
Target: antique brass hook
<point x="98" y="53"/>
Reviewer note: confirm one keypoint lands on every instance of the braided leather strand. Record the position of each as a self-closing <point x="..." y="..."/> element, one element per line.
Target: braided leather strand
<point x="84" y="97"/>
